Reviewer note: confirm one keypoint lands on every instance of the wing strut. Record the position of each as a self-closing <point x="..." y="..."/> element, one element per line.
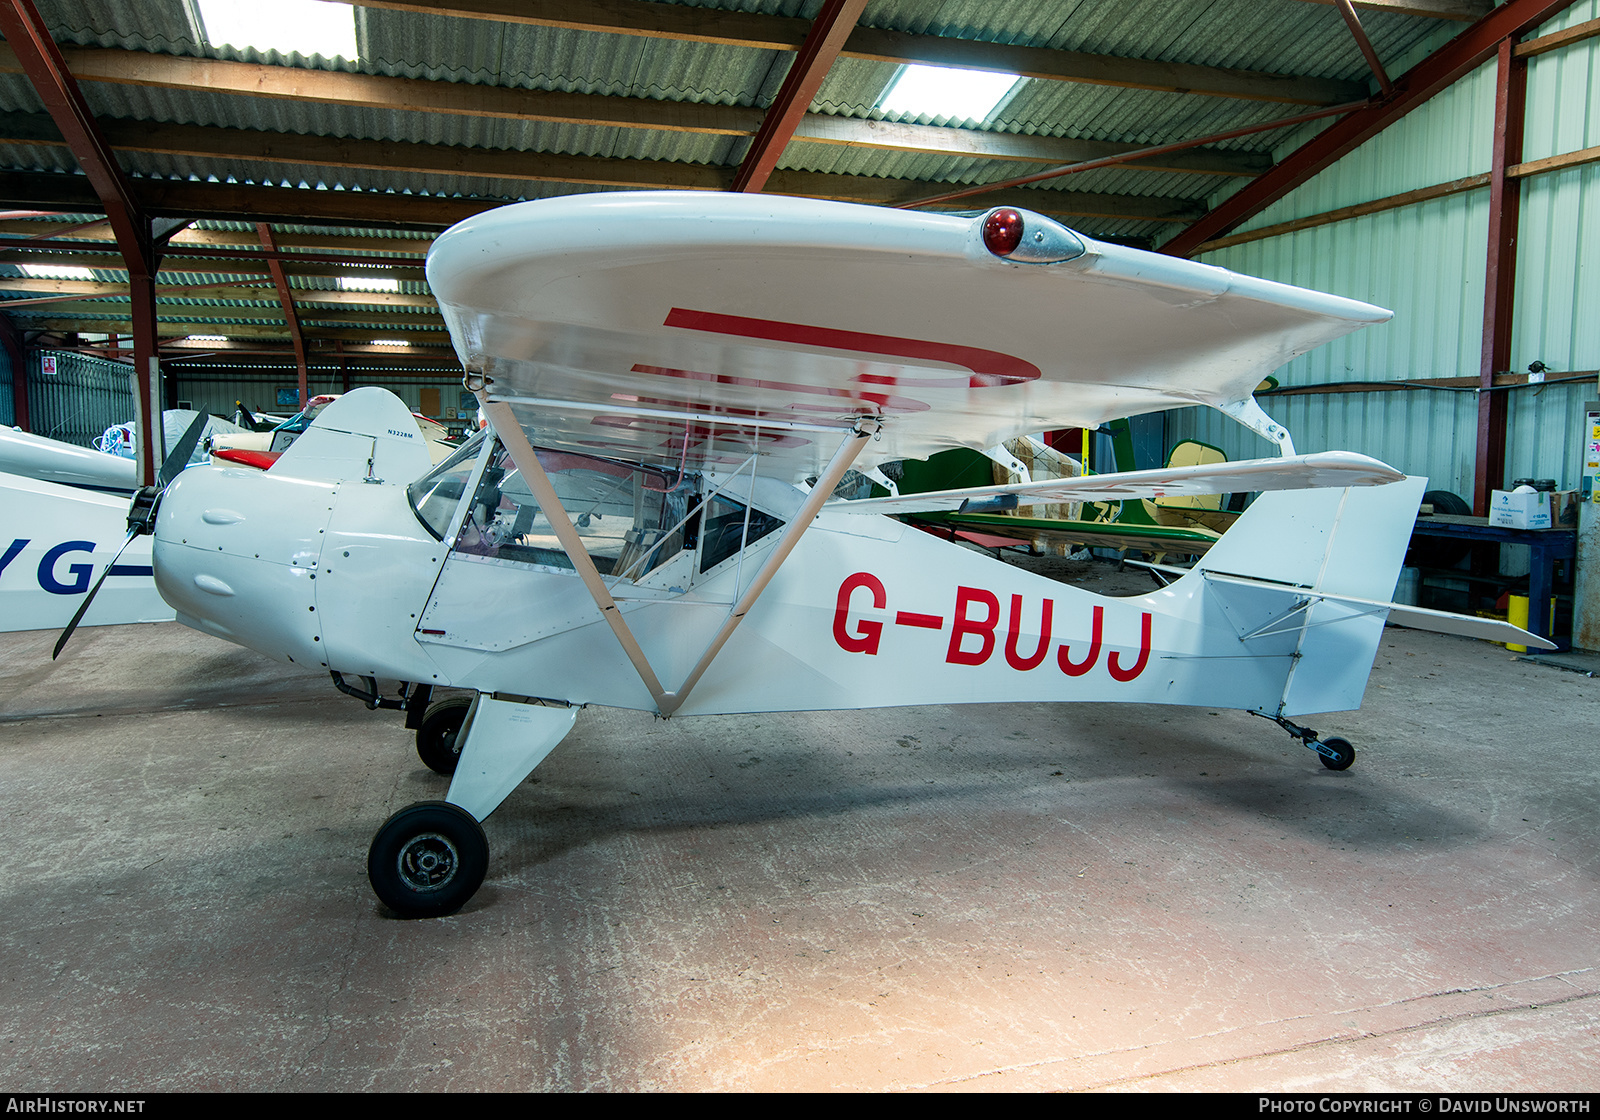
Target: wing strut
<point x="863" y="431"/>
<point x="522" y="454"/>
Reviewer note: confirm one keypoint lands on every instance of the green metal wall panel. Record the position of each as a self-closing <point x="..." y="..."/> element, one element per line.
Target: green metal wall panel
<point x="1426" y="262"/>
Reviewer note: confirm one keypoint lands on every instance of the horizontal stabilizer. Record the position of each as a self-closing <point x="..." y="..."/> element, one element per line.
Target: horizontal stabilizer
<point x="1324" y="469"/>
<point x="1418" y="618"/>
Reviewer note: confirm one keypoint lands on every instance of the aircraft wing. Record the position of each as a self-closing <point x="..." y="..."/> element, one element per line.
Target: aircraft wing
<point x="1327" y="468"/>
<point x="51" y="460"/>
<point x="695" y="328"/>
<point x="1088" y="534"/>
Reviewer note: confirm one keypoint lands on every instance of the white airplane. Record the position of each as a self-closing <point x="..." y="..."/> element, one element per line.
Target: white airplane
<point x="675" y="384"/>
<point x="261" y="448"/>
<point x="108" y="466"/>
<point x="66" y="515"/>
<point x="66" y="545"/>
<point x="54" y="542"/>
<point x="66" y="464"/>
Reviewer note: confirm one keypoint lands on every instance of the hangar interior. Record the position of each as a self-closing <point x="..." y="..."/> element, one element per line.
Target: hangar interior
<point x="199" y="211"/>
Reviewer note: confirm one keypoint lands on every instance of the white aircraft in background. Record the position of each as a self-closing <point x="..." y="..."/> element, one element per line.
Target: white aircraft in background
<point x="54" y="541"/>
<point x="66" y="514"/>
<point x="261" y="448"/>
<point x="675" y="385"/>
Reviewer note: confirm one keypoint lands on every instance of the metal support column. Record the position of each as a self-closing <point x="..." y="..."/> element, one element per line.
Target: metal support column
<point x="1500" y="273"/>
<point x="146" y="362"/>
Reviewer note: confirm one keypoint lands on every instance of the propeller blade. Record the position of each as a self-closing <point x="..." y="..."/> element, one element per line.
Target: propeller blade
<point x="141" y="517"/>
<point x="83" y="608"/>
<point x="178" y="457"/>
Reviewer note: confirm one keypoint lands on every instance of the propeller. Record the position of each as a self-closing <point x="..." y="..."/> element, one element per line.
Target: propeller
<point x="244" y="417"/>
<point x="141" y="515"/>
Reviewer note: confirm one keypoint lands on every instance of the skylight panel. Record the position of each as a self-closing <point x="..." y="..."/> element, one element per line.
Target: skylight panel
<point x="56" y="271"/>
<point x="948" y="93"/>
<point x="207" y="338"/>
<point x="307" y="27"/>
<point x="368" y="284"/>
<point x="390" y="342"/>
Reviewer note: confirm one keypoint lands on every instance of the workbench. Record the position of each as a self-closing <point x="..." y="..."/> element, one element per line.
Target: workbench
<point x="1545" y="548"/>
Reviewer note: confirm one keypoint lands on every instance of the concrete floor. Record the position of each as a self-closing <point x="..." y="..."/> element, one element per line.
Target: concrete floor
<point x="984" y="898"/>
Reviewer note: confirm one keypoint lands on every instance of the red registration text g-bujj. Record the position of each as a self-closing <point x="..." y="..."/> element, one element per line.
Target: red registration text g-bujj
<point x="975" y="630"/>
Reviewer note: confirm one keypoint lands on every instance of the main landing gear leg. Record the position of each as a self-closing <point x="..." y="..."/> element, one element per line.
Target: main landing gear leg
<point x="430" y="858"/>
<point x="1336" y="753"/>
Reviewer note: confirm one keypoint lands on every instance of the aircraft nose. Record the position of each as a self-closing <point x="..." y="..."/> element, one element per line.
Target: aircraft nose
<point x="236" y="554"/>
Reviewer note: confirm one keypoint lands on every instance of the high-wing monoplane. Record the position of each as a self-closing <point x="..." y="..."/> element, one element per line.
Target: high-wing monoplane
<point x="676" y="385"/>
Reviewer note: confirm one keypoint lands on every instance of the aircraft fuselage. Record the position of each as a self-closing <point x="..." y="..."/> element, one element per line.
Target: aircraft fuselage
<point x="867" y="612"/>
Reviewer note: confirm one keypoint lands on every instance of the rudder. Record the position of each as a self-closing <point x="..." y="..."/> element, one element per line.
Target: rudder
<point x="1348" y="542"/>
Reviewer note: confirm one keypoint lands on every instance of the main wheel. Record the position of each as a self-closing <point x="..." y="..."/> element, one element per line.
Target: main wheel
<point x="437" y="744"/>
<point x="428" y="859"/>
<point x="1341" y="747"/>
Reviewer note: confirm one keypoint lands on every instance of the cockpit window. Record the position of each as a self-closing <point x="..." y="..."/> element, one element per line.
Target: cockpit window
<point x="727" y="529"/>
<point x="623" y="513"/>
<point x="288" y="431"/>
<point x="434" y="496"/>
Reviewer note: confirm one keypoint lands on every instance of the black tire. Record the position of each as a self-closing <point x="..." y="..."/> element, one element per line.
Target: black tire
<point x="1341" y="747"/>
<point x="1441" y="552"/>
<point x="427" y="860"/>
<point x="438" y="738"/>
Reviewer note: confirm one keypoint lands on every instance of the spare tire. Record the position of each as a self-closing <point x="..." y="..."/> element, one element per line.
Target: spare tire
<point x="1440" y="552"/>
<point x="1443" y="501"/>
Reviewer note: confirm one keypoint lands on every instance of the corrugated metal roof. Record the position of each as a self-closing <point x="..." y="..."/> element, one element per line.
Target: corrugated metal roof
<point x="1426" y="261"/>
<point x="1272" y="36"/>
<point x="1243" y="33"/>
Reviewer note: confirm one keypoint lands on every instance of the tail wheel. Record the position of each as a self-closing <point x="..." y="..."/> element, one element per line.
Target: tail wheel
<point x="438" y="739"/>
<point x="1344" y="753"/>
<point x="428" y="859"/>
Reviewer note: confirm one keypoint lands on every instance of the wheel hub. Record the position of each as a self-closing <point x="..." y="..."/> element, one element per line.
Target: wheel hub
<point x="427" y="862"/>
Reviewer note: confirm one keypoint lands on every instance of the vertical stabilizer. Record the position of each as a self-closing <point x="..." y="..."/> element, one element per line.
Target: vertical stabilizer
<point x="1338" y="542"/>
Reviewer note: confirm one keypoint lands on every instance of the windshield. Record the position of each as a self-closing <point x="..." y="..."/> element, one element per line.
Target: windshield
<point x="623" y="513"/>
<point x="434" y="496"/>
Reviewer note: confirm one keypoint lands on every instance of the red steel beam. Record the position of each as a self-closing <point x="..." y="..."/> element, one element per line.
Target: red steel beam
<point x="823" y="43"/>
<point x="41" y="60"/>
<point x="1499" y="288"/>
<point x="202" y="253"/>
<point x="286" y="297"/>
<point x="1368" y="52"/>
<point x="69" y="229"/>
<point x="1129" y="156"/>
<point x="1467" y="51"/>
<point x="26" y="34"/>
